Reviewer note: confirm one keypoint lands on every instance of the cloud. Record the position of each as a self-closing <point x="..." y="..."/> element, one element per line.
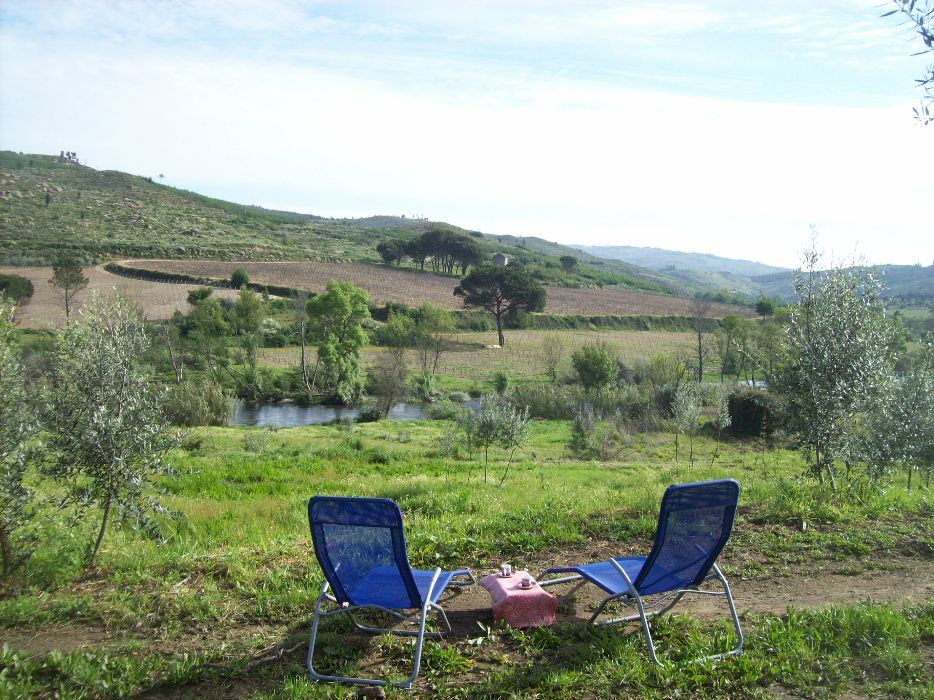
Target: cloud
<point x="363" y="121"/>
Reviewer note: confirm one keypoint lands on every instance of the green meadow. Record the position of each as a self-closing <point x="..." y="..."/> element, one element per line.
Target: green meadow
<point x="221" y="606"/>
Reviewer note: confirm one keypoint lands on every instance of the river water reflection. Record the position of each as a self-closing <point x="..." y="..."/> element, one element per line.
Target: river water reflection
<point x="290" y="415"/>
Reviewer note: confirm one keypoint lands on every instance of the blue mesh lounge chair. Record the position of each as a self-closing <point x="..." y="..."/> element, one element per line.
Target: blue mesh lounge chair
<point x="694" y="523"/>
<point x="360" y="546"/>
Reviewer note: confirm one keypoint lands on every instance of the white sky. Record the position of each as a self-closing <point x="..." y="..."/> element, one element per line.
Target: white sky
<point x="718" y="127"/>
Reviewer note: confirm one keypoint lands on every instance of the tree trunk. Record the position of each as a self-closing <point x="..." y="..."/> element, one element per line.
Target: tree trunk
<point x="499" y="329"/>
<point x="306" y="380"/>
<point x="177" y="366"/>
<point x="6" y="552"/>
<point x="717" y="450"/>
<point x="100" y="535"/>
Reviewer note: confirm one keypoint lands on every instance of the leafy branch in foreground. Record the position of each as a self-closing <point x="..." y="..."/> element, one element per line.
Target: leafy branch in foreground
<point x="107" y="427"/>
<point x="921" y="16"/>
<point x="17" y="426"/>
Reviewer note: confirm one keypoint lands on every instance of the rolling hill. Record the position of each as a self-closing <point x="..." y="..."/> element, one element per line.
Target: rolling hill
<point x="673" y="260"/>
<point x="699" y="271"/>
<point x="51" y="205"/>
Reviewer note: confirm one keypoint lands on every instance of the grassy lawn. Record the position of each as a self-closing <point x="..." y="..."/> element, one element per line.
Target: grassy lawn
<point x="202" y="612"/>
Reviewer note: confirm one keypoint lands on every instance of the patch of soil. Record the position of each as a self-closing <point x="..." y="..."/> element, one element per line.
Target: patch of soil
<point x="57" y="637"/>
<point x="905" y="581"/>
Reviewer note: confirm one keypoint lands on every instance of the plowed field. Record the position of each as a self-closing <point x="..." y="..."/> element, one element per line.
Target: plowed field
<point x="46" y="309"/>
<point x="413" y="287"/>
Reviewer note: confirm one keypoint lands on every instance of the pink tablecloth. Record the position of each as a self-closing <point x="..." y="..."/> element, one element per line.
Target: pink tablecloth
<point x="520" y="607"/>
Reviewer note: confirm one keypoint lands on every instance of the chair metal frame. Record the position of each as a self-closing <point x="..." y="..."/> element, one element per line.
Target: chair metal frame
<point x="419" y="618"/>
<point x="668" y="599"/>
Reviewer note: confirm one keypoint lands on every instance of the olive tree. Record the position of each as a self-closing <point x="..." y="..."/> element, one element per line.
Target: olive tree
<point x="901" y="431"/>
<point x="839" y="345"/>
<point x="723" y="419"/>
<point x="107" y="430"/>
<point x="921" y="16"/>
<point x="686" y="411"/>
<point x="17" y="426"/>
<point x="495" y="422"/>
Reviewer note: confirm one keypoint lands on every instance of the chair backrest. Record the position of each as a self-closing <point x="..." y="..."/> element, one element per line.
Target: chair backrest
<point x="694" y="523"/>
<point x="360" y="541"/>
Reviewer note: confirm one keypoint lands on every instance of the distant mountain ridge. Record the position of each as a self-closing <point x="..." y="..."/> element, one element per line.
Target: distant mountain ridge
<point x="675" y="260"/>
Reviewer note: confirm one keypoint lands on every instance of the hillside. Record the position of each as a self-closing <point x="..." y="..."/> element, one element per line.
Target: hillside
<point x="911" y="283"/>
<point x="675" y="260"/>
<point x="692" y="272"/>
<point x="51" y="205"/>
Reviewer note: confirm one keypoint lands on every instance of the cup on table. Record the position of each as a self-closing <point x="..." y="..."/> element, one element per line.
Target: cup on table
<point x="505" y="570"/>
<point x="527" y="581"/>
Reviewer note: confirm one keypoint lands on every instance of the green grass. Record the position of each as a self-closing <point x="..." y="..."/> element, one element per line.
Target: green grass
<point x="873" y="649"/>
<point x="235" y="575"/>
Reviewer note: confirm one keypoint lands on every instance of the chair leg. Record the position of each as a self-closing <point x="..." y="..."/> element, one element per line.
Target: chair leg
<point x="738" y="649"/>
<point x="419" y="643"/>
<point x="420" y="640"/>
<point x="645" y="630"/>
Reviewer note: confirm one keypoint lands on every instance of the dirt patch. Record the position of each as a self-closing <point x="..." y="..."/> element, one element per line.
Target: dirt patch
<point x="58" y="638"/>
<point x="906" y="581"/>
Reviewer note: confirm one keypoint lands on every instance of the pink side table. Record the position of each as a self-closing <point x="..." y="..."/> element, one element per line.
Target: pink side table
<point x="520" y="607"/>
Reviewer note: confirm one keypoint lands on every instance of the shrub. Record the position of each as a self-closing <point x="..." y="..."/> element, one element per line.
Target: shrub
<point x="458" y="396"/>
<point x="273" y="334"/>
<point x="583" y="428"/>
<point x="754" y="413"/>
<point x="444" y="410"/>
<point x="545" y="401"/>
<point x="16" y="288"/>
<point x="595" y="439"/>
<point x="423" y="387"/>
<point x="239" y="277"/>
<point x="256" y="441"/>
<point x="369" y="413"/>
<point x="197" y="403"/>
<point x="499" y="381"/>
<point x="596" y="366"/>
<point x="472" y="321"/>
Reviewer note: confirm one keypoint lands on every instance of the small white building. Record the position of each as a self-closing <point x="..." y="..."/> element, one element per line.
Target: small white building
<point x="501" y="260"/>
